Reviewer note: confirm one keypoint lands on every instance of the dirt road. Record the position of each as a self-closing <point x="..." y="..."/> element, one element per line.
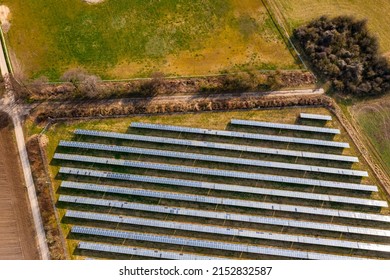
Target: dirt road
<point x="8" y="105"/>
<point x="17" y="233"/>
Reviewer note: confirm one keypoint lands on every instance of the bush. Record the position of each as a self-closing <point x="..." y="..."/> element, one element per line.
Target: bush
<point x="343" y="50"/>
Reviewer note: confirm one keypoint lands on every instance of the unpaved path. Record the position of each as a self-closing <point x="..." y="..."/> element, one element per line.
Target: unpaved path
<point x="17" y="233"/>
<point x="8" y="105"/>
<point x="4" y="16"/>
<point x="4" y="12"/>
<point x="93" y="1"/>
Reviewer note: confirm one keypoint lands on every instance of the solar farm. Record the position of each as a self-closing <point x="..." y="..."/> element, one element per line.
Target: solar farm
<point x="254" y="190"/>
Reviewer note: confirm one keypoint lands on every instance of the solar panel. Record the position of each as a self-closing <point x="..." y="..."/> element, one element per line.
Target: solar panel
<point x="215" y="145"/>
<point x="237" y="188"/>
<point x="228" y="231"/>
<point x="212" y="200"/>
<point x="295" y="127"/>
<point x="212" y="158"/>
<point x="205" y="243"/>
<point x="120" y="176"/>
<point x="237" y="134"/>
<point x="216" y="172"/>
<point x="315" y="117"/>
<point x="138" y="251"/>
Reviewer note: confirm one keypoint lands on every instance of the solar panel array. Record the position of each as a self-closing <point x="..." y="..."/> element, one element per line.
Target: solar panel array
<point x="329" y="218"/>
<point x="228" y="231"/>
<point x="315" y="117"/>
<point x="216" y="172"/>
<point x="217" y="215"/>
<point x="224" y="201"/>
<point x="236" y="134"/>
<point x="138" y="251"/>
<point x="215" y="145"/>
<point x="286" y="126"/>
<point x="208" y="244"/>
<point x="212" y="158"/>
<point x="223" y="187"/>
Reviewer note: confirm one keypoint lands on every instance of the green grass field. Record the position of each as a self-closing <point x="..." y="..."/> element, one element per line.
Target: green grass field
<point x="376" y="12"/>
<point x="374" y="119"/>
<point x="124" y="39"/>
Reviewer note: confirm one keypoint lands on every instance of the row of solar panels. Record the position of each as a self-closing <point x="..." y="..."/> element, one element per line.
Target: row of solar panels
<point x="216" y="172"/>
<point x="212" y="158"/>
<point x="227" y="202"/>
<point x="315" y="117"/>
<point x="138" y="251"/>
<point x="236" y="134"/>
<point x="215" y="145"/>
<point x="204" y="228"/>
<point x="219" y="200"/>
<point x="286" y="126"/>
<point x="226" y="246"/>
<point x="225" y="187"/>
<point x="209" y="214"/>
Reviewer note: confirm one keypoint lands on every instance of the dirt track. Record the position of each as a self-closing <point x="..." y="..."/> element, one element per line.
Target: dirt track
<point x="17" y="234"/>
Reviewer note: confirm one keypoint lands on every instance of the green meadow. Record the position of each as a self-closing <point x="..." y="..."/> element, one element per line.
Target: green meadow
<point x="125" y="39"/>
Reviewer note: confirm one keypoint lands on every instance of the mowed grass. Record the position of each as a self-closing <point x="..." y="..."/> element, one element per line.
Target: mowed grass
<point x="376" y="12"/>
<point x="374" y="119"/>
<point x="124" y="39"/>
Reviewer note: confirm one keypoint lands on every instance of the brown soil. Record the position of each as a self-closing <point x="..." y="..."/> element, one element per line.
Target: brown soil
<point x="17" y="233"/>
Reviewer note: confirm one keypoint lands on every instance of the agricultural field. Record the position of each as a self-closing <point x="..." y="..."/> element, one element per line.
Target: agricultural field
<point x="373" y="117"/>
<point x="132" y="226"/>
<point x="124" y="39"/>
<point x="17" y="233"/>
<point x="296" y="13"/>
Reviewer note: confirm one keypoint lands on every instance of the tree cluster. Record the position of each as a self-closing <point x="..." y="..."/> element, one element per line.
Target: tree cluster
<point x="343" y="50"/>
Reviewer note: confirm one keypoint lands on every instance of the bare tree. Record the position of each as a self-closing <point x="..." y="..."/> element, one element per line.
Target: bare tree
<point x="91" y="86"/>
<point x="38" y="83"/>
<point x="151" y="87"/>
<point x="83" y="81"/>
<point x="74" y="76"/>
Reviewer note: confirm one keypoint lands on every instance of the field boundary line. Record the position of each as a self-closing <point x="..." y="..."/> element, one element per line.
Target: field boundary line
<point x="262" y="71"/>
<point x="280" y="26"/>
